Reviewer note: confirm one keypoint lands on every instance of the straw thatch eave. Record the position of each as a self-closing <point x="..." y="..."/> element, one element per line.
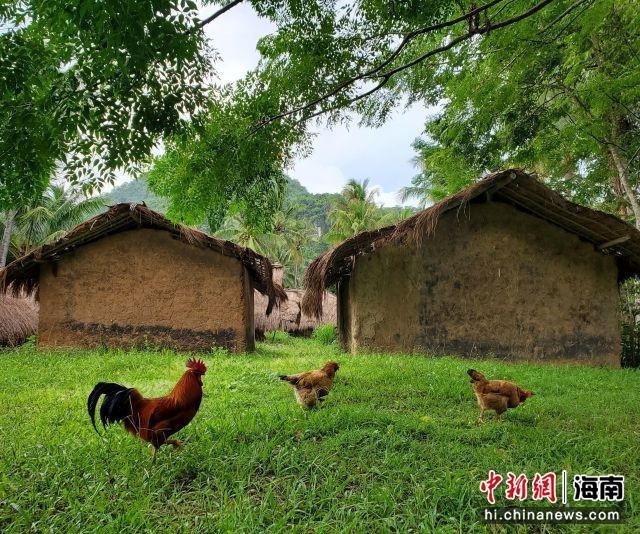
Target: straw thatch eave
<point x="18" y="318"/>
<point x="23" y="273"/>
<point x="609" y="234"/>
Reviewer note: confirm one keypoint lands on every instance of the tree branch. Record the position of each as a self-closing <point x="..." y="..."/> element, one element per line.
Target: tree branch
<point x="369" y="73"/>
<point x="386" y="76"/>
<point x="215" y="15"/>
<point x="517" y="18"/>
<point x="353" y="100"/>
<point x="564" y="14"/>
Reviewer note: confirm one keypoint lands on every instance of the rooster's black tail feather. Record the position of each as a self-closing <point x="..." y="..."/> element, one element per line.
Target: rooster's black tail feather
<point x="115" y="407"/>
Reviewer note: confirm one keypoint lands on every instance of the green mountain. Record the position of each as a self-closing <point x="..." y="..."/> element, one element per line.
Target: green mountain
<point x="304" y="204"/>
<point x="315" y="207"/>
<point x="137" y="191"/>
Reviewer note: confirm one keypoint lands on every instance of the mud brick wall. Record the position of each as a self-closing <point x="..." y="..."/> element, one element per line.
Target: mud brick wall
<point x="493" y="280"/>
<point x="143" y="287"/>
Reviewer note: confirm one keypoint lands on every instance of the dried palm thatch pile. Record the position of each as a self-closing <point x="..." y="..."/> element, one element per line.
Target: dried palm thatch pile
<point x="289" y="317"/>
<point x="608" y="233"/>
<point x="23" y="273"/>
<point x="18" y="318"/>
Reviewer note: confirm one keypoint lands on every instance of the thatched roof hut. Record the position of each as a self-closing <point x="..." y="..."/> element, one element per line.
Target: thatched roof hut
<point x="22" y="274"/>
<point x="288" y="317"/>
<point x="18" y="318"/>
<point x="506" y="266"/>
<point x="131" y="276"/>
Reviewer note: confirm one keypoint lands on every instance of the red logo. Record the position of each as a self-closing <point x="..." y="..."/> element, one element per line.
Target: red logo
<point x="544" y="487"/>
<point x="517" y="486"/>
<point x="488" y="486"/>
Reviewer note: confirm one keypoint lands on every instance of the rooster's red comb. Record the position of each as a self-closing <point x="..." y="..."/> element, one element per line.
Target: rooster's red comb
<point x="197" y="365"/>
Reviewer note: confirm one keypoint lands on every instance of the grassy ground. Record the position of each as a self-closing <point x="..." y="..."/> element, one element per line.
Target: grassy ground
<point x="395" y="446"/>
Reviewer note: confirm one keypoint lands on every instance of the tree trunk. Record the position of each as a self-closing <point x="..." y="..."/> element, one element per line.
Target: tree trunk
<point x="623" y="174"/>
<point x="6" y="238"/>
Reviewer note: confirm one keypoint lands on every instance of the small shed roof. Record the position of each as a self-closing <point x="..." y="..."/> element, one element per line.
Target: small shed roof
<point x="23" y="273"/>
<point x="608" y="233"/>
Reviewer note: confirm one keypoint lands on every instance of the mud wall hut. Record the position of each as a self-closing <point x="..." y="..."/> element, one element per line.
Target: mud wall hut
<point x="506" y="267"/>
<point x="130" y="277"/>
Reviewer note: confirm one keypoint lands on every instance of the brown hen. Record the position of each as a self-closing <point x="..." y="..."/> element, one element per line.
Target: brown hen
<point x="497" y="395"/>
<point x="312" y="386"/>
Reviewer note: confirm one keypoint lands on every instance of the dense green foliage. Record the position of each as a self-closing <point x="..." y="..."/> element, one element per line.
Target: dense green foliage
<point x="97" y="87"/>
<point x="223" y="166"/>
<point x="551" y="85"/>
<point x="326" y="60"/>
<point x="395" y="447"/>
<point x="30" y="137"/>
<point x="560" y="97"/>
<point x="92" y="87"/>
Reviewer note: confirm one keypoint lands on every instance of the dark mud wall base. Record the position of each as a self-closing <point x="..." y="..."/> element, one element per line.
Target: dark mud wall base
<point x="145" y="336"/>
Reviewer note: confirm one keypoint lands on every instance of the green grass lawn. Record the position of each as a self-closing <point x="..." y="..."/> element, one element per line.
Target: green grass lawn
<point x="395" y="446"/>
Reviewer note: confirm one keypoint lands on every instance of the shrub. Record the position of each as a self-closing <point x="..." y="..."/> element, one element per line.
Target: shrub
<point x="219" y="351"/>
<point x="277" y="336"/>
<point x="325" y="334"/>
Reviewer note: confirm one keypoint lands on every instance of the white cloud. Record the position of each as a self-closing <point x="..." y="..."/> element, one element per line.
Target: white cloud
<point x="234" y="36"/>
<point x="319" y="177"/>
<point x="383" y="155"/>
<point x="390" y="199"/>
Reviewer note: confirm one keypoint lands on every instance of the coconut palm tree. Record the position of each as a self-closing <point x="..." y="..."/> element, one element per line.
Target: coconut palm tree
<point x="236" y="229"/>
<point x="359" y="192"/>
<point x="289" y="241"/>
<point x="355" y="212"/>
<point x="56" y="212"/>
<point x="420" y="189"/>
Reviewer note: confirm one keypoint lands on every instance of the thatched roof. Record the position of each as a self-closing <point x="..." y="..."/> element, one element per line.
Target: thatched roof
<point x="608" y="233"/>
<point x="289" y="317"/>
<point x="18" y="319"/>
<point x="23" y="273"/>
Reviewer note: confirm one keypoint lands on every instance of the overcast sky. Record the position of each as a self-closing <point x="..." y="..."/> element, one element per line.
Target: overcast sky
<point x="382" y="155"/>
